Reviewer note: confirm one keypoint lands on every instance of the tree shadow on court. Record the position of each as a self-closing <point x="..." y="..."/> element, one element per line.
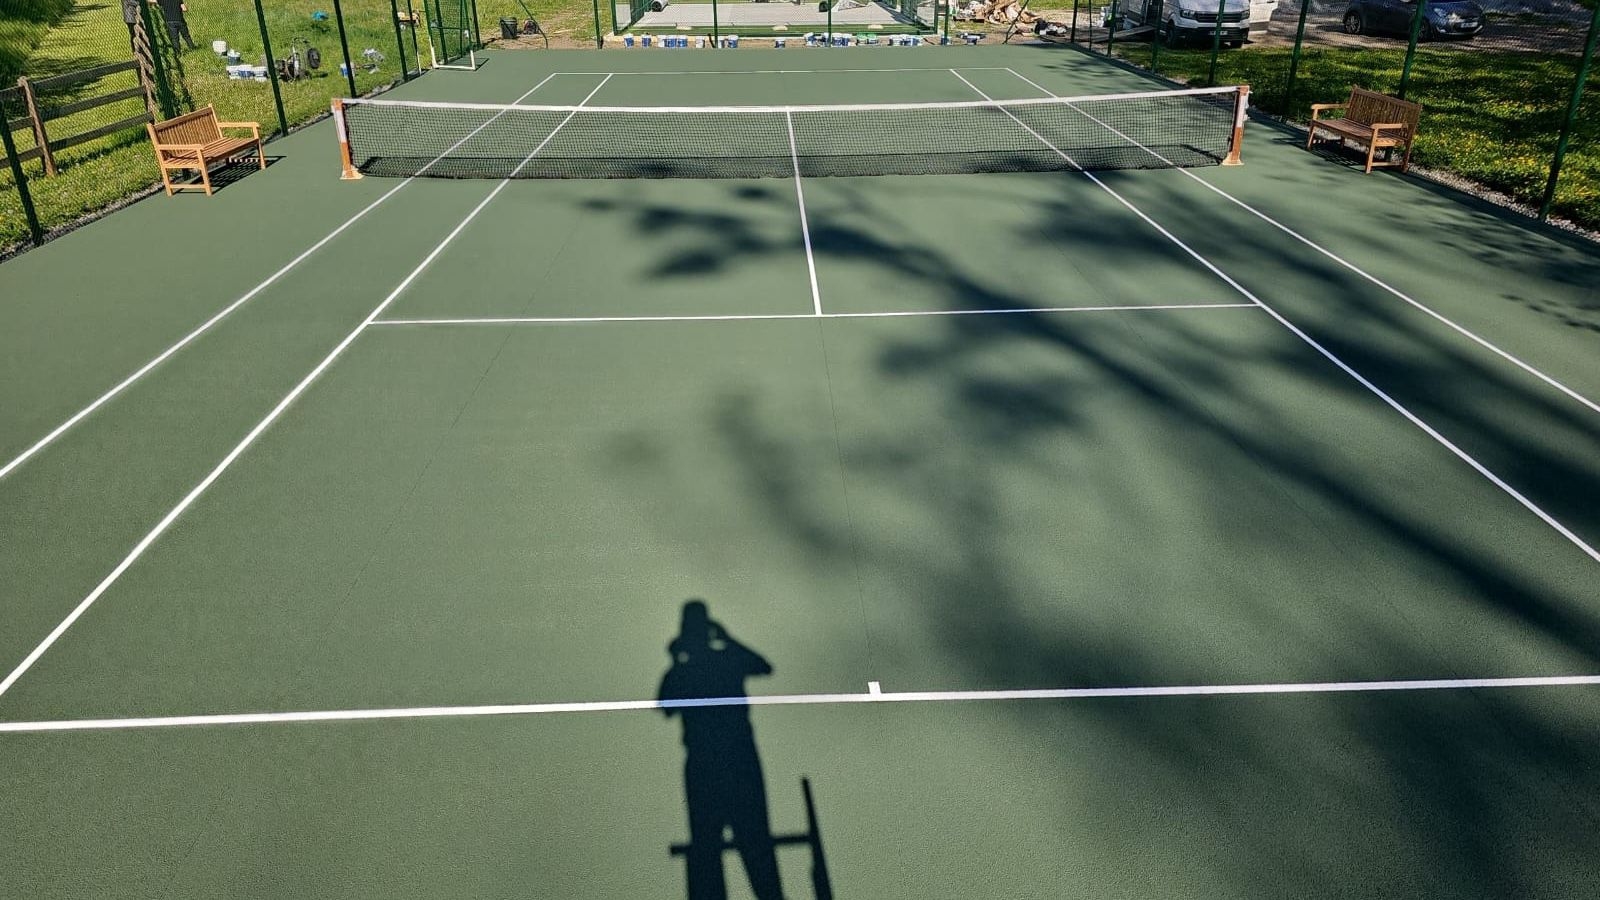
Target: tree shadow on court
<point x="725" y="790"/>
<point x="1478" y="793"/>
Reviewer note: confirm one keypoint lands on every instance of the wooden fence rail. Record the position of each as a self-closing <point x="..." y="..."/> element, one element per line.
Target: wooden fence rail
<point x="38" y="116"/>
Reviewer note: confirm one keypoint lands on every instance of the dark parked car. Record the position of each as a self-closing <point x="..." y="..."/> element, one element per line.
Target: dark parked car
<point x="1444" y="19"/>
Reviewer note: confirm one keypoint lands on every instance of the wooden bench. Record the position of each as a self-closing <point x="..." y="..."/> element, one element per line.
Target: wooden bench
<point x="1377" y="120"/>
<point x="195" y="141"/>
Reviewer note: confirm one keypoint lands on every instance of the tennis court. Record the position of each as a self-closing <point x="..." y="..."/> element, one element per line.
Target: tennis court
<point x="1211" y="531"/>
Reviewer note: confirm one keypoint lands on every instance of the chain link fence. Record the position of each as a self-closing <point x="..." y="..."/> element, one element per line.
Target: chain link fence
<point x="1500" y="81"/>
<point x="80" y="78"/>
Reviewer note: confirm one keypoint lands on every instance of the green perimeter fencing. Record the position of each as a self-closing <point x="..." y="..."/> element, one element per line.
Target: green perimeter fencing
<point x="252" y="61"/>
<point x="1496" y="78"/>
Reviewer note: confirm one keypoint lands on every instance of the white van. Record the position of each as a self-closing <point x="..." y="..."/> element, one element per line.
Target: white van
<point x="1189" y="22"/>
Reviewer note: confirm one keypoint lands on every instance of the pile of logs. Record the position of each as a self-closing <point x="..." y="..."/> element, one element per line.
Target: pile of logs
<point x="996" y="12"/>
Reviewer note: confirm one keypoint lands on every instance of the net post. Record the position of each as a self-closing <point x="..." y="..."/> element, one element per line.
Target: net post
<point x="1241" y="106"/>
<point x="349" y="173"/>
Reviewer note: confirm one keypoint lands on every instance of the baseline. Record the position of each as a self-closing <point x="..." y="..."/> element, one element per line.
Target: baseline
<point x="873" y="694"/>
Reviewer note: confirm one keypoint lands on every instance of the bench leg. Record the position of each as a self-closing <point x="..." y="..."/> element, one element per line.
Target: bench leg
<point x="1372" y="154"/>
<point x="261" y="154"/>
<point x="166" y="179"/>
<point x="1405" y="162"/>
<point x="1311" y="135"/>
<point x="205" y="175"/>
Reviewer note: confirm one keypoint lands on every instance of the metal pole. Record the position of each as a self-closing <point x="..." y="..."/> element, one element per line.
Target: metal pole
<point x="1111" y="35"/>
<point x="947" y="5"/>
<point x="477" y="33"/>
<point x="1073" y="37"/>
<point x="716" y="34"/>
<point x="1294" y="58"/>
<point x="165" y="97"/>
<point x="28" y="212"/>
<point x="1155" y="34"/>
<point x="272" y="69"/>
<point x="599" y="43"/>
<point x="1411" y="47"/>
<point x="1216" y="42"/>
<point x="399" y="42"/>
<point x="830" y="22"/>
<point x="344" y="46"/>
<point x="1572" y="115"/>
<point x="411" y="26"/>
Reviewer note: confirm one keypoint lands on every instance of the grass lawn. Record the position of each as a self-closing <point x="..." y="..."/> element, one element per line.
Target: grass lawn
<point x="57" y="35"/>
<point x="1492" y="117"/>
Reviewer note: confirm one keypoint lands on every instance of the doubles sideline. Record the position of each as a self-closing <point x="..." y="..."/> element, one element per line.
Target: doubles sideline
<point x="874" y="694"/>
<point x="205" y="326"/>
<point x="288" y="399"/>
<point x="1560" y="528"/>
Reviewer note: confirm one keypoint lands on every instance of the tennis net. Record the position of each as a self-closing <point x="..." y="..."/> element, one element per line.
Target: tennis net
<point x="1154" y="129"/>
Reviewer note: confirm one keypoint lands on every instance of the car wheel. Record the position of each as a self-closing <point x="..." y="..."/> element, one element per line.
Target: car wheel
<point x="1172" y="38"/>
<point x="1352" y="23"/>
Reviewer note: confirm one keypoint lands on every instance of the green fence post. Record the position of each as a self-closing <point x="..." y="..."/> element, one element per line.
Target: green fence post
<point x="272" y="69"/>
<point x="23" y="194"/>
<point x="1294" y="58"/>
<point x="399" y="41"/>
<point x="477" y="32"/>
<point x="1072" y="37"/>
<point x="344" y="47"/>
<point x="830" y="22"/>
<point x="1155" y="36"/>
<point x="416" y="51"/>
<point x="1411" y="46"/>
<point x="715" y="34"/>
<point x="1216" y="42"/>
<point x="1572" y="115"/>
<point x="165" y="97"/>
<point x="598" y="43"/>
<point x="1111" y="35"/>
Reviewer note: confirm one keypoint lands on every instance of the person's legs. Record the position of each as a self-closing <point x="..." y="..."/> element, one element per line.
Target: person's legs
<point x="752" y="829"/>
<point x="707" y="817"/>
<point x="183" y="28"/>
<point x="172" y="32"/>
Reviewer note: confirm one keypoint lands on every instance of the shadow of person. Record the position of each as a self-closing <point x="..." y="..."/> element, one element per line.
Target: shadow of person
<point x="723" y="785"/>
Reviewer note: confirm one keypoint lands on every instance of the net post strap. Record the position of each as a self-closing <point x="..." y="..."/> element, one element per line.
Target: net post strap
<point x="350" y="172"/>
<point x="1241" y="109"/>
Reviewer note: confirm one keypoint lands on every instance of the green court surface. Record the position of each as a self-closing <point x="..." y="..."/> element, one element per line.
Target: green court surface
<point x="1223" y="532"/>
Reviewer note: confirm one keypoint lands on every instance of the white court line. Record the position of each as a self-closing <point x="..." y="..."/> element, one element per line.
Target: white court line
<point x="261" y="426"/>
<point x="874" y="694"/>
<point x="789" y="71"/>
<point x="1458" y="328"/>
<point x="81" y="414"/>
<point x="1394" y="404"/>
<point x="805" y="226"/>
<point x="757" y="317"/>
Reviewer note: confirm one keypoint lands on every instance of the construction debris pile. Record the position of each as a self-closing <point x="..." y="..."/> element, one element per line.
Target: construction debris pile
<point x="995" y="12"/>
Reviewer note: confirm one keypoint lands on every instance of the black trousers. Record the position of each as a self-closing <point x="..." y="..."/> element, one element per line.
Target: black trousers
<point x="177" y="27"/>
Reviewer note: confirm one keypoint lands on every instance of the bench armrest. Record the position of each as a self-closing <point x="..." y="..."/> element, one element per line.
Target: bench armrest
<point x="253" y="127"/>
<point x="1387" y="126"/>
<point x="1317" y="109"/>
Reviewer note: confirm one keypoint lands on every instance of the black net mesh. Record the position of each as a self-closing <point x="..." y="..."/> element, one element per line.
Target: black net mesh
<point x="1148" y="130"/>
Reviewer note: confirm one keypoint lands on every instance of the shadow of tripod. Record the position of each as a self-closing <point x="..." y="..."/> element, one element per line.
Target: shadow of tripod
<point x="724" y="788"/>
